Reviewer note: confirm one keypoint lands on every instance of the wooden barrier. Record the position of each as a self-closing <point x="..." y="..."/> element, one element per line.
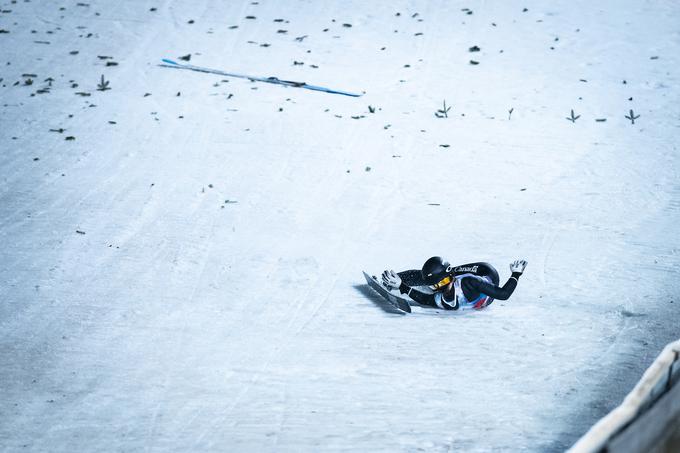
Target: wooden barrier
<point x="649" y="417"/>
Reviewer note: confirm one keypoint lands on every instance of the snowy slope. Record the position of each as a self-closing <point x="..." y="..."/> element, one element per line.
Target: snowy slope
<point x="185" y="273"/>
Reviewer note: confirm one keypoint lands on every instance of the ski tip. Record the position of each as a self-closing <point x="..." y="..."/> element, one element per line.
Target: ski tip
<point x="344" y="93"/>
<point x="165" y="60"/>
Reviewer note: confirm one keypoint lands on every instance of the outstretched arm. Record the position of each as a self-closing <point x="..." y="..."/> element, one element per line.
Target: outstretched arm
<point x="496" y="292"/>
<point x="420" y="297"/>
<point x="393" y="281"/>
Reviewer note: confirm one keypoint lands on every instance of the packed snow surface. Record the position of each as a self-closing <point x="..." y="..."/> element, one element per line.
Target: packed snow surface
<point x="181" y="253"/>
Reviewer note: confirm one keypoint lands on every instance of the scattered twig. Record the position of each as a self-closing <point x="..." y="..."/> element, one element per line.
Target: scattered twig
<point x="632" y="117"/>
<point x="512" y="109"/>
<point x="443" y="112"/>
<point x="573" y="117"/>
<point x="103" y="85"/>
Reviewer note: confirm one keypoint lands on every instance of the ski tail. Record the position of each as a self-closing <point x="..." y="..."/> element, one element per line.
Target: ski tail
<point x="399" y="303"/>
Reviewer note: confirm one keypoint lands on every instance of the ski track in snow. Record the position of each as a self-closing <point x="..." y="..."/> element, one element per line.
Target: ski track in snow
<point x="186" y="273"/>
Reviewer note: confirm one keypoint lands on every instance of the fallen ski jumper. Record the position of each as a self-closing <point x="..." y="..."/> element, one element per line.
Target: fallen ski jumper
<point x="470" y="286"/>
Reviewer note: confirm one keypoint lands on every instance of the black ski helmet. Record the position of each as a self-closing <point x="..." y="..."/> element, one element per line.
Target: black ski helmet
<point x="435" y="270"/>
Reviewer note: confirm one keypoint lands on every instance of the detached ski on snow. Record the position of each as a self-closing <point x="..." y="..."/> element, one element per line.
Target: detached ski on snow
<point x="275" y="80"/>
<point x="398" y="302"/>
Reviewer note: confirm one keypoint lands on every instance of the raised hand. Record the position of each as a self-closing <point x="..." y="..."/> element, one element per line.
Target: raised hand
<point x="518" y="266"/>
<point x="391" y="280"/>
